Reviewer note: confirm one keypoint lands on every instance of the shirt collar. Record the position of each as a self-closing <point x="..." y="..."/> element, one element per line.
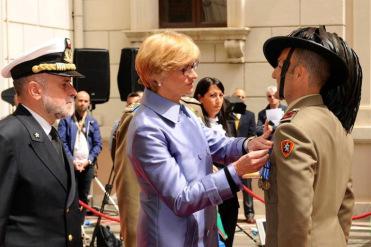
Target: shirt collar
<point x="44" y="124"/>
<point x="164" y="107"/>
<point x="213" y="120"/>
<point x="307" y="100"/>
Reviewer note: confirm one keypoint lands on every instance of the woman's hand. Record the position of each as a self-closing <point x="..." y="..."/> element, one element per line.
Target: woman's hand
<point x="261" y="142"/>
<point x="251" y="162"/>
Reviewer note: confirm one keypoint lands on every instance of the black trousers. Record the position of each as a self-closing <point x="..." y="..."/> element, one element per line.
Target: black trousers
<point x="84" y="180"/>
<point x="228" y="211"/>
<point x="248" y="204"/>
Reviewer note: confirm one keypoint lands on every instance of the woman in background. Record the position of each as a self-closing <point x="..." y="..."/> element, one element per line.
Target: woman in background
<point x="210" y="92"/>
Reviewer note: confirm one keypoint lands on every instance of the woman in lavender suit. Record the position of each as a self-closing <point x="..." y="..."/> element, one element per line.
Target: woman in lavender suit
<point x="172" y="151"/>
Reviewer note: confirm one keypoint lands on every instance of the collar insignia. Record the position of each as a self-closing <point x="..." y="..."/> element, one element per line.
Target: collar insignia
<point x="287" y="146"/>
<point x="289" y="115"/>
<point x="36" y="135"/>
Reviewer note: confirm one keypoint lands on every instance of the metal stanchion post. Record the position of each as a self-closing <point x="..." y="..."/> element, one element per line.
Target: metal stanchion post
<point x="107" y="192"/>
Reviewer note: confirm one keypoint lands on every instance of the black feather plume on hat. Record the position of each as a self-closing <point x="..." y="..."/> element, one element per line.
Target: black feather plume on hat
<point x="344" y="98"/>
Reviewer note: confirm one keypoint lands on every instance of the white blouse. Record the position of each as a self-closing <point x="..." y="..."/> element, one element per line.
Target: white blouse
<point x="216" y="126"/>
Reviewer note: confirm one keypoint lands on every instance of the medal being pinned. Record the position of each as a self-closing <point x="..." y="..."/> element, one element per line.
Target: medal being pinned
<point x="263" y="182"/>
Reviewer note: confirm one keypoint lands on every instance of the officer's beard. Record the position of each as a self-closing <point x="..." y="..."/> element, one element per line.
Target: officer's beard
<point x="58" y="108"/>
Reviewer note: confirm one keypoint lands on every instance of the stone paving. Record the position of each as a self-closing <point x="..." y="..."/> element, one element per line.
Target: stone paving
<point x="246" y="234"/>
<point x="360" y="234"/>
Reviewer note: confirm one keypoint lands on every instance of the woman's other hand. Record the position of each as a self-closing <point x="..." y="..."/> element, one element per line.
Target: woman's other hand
<point x="251" y="162"/>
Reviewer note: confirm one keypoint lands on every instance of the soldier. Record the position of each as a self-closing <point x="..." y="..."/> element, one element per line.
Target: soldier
<point x="308" y="180"/>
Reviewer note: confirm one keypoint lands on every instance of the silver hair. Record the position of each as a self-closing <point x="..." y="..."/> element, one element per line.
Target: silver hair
<point x="271" y="89"/>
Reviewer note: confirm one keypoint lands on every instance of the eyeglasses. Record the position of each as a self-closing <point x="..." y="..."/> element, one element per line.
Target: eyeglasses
<point x="187" y="70"/>
<point x="270" y="96"/>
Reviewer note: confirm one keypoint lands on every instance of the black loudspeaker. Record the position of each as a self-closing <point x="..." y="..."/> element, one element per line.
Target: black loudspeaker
<point x="94" y="65"/>
<point x="8" y="95"/>
<point x="234" y="104"/>
<point x="127" y="77"/>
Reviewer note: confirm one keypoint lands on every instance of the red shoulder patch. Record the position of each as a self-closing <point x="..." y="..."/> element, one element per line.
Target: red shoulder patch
<point x="287" y="146"/>
<point x="289" y="115"/>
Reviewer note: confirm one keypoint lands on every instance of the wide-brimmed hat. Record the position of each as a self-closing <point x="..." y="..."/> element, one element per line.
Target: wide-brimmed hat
<point x="53" y="57"/>
<point x="342" y="91"/>
<point x="315" y="39"/>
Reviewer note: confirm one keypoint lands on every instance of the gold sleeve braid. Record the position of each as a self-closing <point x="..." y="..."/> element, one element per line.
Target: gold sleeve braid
<point x="53" y="66"/>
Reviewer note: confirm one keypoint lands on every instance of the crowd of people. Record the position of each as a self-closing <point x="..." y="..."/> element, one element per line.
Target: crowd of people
<point x="180" y="161"/>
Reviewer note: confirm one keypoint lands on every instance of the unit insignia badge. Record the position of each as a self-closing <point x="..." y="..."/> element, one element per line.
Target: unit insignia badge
<point x="287" y="146"/>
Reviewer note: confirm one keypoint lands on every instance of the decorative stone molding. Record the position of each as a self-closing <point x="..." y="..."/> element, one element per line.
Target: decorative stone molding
<point x="234" y="38"/>
<point x="362" y="130"/>
<point x="362" y="134"/>
<point x="235" y="49"/>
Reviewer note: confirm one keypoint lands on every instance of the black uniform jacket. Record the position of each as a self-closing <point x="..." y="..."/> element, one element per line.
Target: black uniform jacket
<point x="38" y="205"/>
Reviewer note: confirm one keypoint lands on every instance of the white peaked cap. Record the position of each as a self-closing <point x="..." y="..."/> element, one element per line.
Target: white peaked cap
<point x="54" y="56"/>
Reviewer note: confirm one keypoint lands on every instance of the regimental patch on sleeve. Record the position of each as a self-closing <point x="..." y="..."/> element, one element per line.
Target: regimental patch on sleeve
<point x="287" y="146"/>
<point x="289" y="115"/>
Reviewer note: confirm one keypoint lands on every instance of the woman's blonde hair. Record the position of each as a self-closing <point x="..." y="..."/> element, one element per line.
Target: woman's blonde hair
<point x="167" y="51"/>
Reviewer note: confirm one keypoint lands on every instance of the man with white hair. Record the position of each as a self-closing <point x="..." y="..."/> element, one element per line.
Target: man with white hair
<point x="39" y="205"/>
<point x="273" y="103"/>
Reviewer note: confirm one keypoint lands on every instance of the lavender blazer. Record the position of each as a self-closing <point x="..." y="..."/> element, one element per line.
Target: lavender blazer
<point x="172" y="154"/>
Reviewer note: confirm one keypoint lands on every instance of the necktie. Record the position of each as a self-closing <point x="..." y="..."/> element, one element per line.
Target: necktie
<point x="56" y="142"/>
<point x="237" y="120"/>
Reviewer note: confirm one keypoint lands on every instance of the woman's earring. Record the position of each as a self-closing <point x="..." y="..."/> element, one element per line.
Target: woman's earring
<point x="159" y="84"/>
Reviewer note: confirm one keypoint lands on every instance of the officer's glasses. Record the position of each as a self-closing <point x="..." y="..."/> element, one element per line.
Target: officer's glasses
<point x="187" y="70"/>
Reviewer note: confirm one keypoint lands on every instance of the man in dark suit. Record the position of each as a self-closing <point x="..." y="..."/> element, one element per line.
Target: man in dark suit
<point x="39" y="206"/>
<point x="273" y="103"/>
<point x="245" y="124"/>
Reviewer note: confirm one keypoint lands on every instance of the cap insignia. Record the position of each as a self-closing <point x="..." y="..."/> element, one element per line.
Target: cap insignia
<point x="287" y="146"/>
<point x="68" y="52"/>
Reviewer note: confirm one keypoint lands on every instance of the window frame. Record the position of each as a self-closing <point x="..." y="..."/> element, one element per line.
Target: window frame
<point x="196" y="18"/>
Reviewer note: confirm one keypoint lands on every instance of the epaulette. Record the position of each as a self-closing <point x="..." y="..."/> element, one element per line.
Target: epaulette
<point x="289" y="115"/>
<point x="190" y="100"/>
<point x="132" y="107"/>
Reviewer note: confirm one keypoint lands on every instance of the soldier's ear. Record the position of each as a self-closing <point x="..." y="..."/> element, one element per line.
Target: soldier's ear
<point x="300" y="72"/>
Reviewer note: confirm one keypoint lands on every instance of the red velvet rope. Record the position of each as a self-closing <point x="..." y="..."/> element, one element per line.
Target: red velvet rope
<point x="97" y="213"/>
<point x="361" y="216"/>
<point x="247" y="190"/>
